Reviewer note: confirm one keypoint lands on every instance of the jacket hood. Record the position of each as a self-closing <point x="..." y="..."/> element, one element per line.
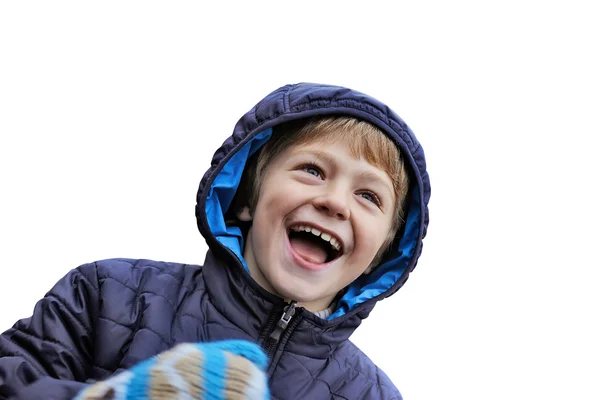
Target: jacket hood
<point x="292" y="102"/>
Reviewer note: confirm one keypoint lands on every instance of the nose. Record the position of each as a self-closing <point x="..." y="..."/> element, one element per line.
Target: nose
<point x="334" y="203"/>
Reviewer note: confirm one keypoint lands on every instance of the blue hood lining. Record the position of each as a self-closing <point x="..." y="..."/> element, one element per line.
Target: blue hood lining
<point x="366" y="287"/>
<point x="223" y="190"/>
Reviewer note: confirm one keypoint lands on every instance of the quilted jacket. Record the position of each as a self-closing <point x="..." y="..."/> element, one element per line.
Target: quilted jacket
<point x="106" y="316"/>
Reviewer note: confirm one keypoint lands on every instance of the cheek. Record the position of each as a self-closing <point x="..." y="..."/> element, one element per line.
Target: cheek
<point x="279" y="197"/>
<point x="372" y="236"/>
<point x="272" y="208"/>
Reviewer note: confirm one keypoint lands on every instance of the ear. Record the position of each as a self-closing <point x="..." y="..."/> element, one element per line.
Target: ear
<point x="243" y="214"/>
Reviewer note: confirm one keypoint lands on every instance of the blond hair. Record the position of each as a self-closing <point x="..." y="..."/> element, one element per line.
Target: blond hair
<point x="364" y="140"/>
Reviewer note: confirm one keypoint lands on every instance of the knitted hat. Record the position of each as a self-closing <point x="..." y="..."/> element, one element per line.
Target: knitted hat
<point x="232" y="369"/>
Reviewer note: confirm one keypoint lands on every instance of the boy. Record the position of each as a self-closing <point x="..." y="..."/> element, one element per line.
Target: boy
<point x="313" y="210"/>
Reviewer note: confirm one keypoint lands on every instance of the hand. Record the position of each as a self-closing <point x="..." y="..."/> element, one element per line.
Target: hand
<point x="232" y="369"/>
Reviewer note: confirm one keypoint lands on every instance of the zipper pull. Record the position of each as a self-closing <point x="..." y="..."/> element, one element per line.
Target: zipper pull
<point x="288" y="313"/>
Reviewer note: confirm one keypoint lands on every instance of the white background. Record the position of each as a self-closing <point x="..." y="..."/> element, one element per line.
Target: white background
<point x="110" y="112"/>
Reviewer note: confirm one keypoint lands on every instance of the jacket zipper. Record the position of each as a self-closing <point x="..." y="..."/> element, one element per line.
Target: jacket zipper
<point x="282" y="324"/>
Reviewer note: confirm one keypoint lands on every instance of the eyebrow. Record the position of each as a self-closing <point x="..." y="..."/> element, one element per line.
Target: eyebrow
<point x="324" y="156"/>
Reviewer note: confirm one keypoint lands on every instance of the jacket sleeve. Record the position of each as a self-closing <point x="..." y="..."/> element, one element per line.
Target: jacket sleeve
<point x="50" y="354"/>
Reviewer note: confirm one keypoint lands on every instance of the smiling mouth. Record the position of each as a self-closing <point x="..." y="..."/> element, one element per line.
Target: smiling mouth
<point x="313" y="245"/>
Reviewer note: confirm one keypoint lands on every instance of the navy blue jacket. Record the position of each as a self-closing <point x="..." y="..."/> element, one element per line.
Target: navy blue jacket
<point x="106" y="316"/>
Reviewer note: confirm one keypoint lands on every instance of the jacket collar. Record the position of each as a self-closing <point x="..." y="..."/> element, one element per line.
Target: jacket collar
<point x="246" y="305"/>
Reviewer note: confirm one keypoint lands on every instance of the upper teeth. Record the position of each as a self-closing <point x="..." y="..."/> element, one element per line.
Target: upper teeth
<point x="323" y="235"/>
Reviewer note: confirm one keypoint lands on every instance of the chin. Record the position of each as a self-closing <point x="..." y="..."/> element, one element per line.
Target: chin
<point x="295" y="291"/>
<point x="301" y="291"/>
<point x="292" y="282"/>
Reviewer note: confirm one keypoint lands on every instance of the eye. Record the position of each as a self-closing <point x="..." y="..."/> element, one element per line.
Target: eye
<point x="370" y="196"/>
<point x="313" y="169"/>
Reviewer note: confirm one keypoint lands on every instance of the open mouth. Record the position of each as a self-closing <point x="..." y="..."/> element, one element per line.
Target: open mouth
<point x="314" y="245"/>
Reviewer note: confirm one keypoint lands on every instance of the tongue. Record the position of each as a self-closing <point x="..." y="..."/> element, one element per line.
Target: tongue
<point x="309" y="250"/>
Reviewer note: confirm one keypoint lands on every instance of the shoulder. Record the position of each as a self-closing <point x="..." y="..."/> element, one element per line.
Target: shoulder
<point x="135" y="271"/>
<point x="363" y="376"/>
<point x="141" y="275"/>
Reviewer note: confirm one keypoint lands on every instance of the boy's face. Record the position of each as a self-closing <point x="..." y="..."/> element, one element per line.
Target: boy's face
<point x="320" y="186"/>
